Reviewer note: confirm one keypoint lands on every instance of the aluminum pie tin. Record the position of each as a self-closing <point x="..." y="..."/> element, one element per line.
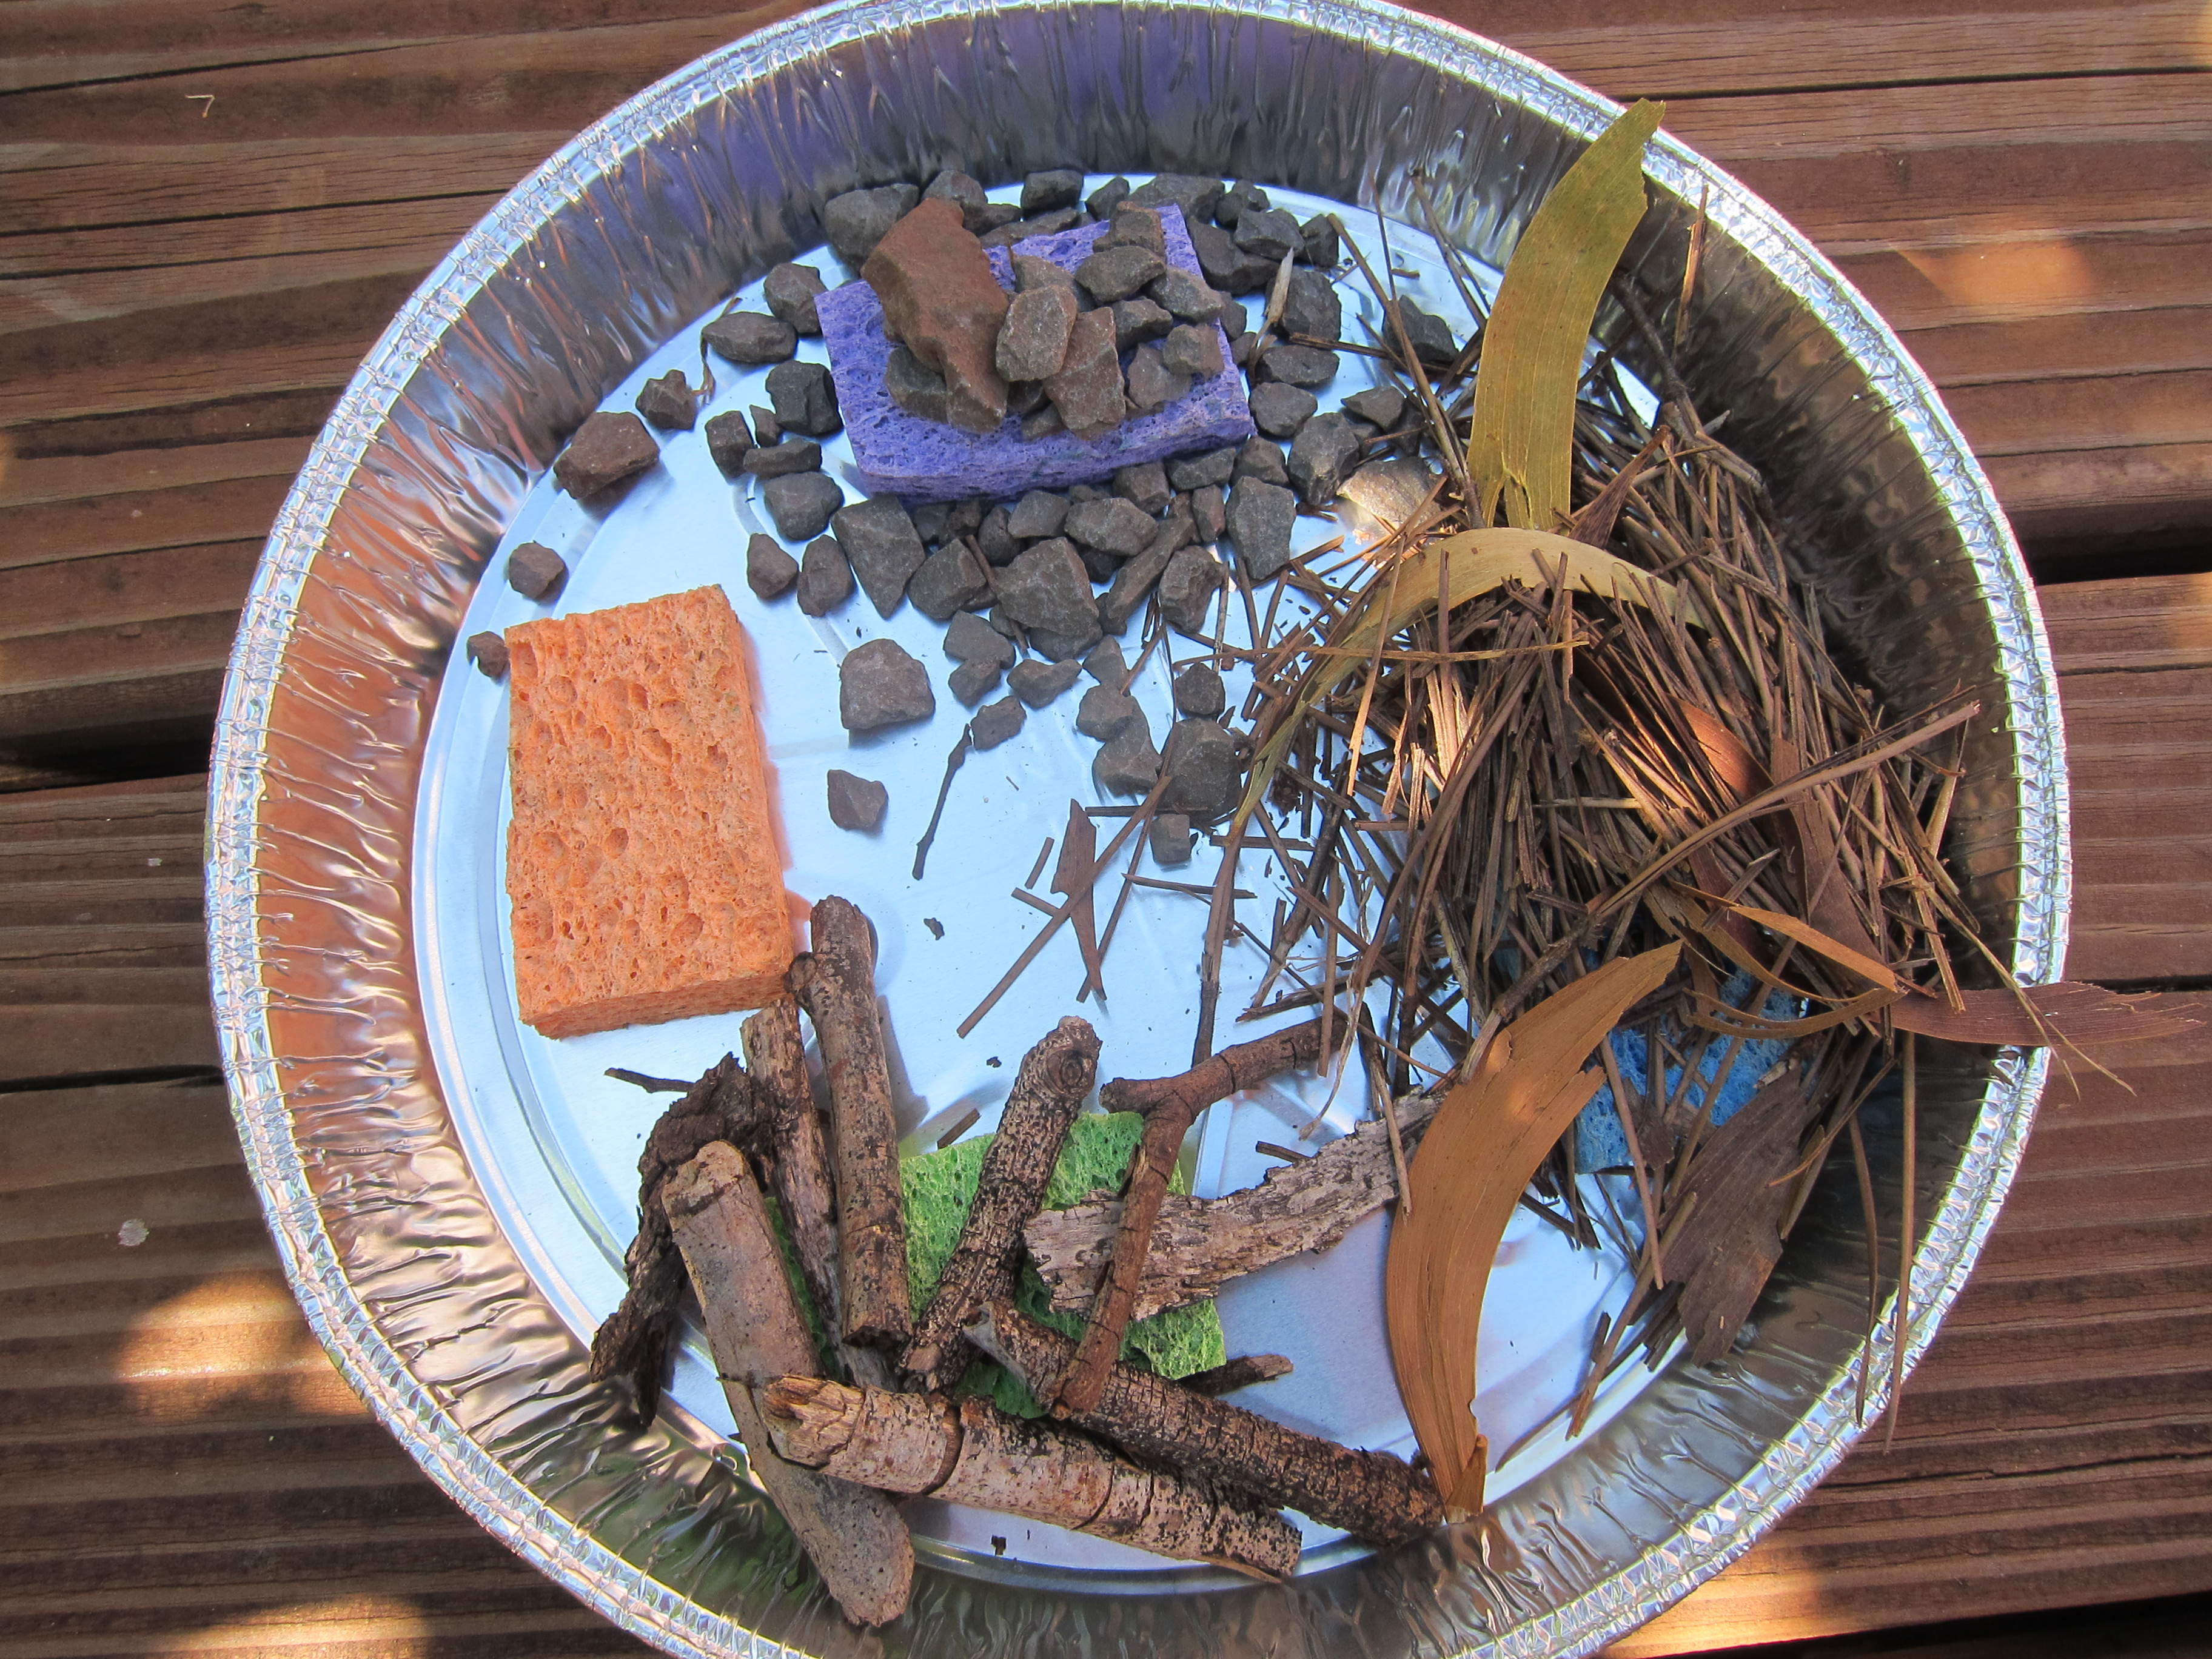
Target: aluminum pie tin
<point x="404" y="1243"/>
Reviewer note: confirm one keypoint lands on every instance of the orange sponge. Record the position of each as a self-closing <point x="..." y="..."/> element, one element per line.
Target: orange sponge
<point x="642" y="860"/>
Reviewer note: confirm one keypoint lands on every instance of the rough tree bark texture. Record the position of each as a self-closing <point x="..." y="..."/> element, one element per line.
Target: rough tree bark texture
<point x="1369" y="1493"/>
<point x="855" y="1539"/>
<point x="632" y="1343"/>
<point x="1170" y="1105"/>
<point x="1198" y="1244"/>
<point x="836" y="986"/>
<point x="973" y="1453"/>
<point x="1055" y="1076"/>
<point x="799" y="1172"/>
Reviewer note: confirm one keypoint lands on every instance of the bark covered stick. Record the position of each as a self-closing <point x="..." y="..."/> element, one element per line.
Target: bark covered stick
<point x="633" y="1341"/>
<point x="1371" y="1494"/>
<point x="799" y="1171"/>
<point x="1054" y="1077"/>
<point x="973" y="1453"/>
<point x="855" y="1539"/>
<point x="1240" y="1372"/>
<point x="1171" y="1105"/>
<point x="1198" y="1244"/>
<point x="836" y="986"/>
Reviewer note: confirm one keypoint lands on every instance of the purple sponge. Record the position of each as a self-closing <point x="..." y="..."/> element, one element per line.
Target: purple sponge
<point x="903" y="454"/>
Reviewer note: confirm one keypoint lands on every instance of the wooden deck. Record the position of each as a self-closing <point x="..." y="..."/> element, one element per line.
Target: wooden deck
<point x="206" y="217"/>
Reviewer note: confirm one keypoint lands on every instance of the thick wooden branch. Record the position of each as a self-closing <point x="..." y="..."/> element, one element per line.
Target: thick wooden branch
<point x="855" y="1539"/>
<point x="973" y="1453"/>
<point x="633" y="1342"/>
<point x="1054" y="1077"/>
<point x="836" y="986"/>
<point x="1368" y="1493"/>
<point x="1198" y="1244"/>
<point x="1171" y="1105"/>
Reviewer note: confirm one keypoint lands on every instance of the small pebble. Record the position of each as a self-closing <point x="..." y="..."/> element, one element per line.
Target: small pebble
<point x="804" y="398"/>
<point x="766" y="430"/>
<point x="1135" y="227"/>
<point x="1137" y="320"/>
<point x="1171" y="837"/>
<point x="1038" y="515"/>
<point x="1106" y="665"/>
<point x="1235" y="200"/>
<point x="1323" y="456"/>
<point x="1102" y="201"/>
<point x="607" y="449"/>
<point x="1118" y="273"/>
<point x="668" y="403"/>
<point x="1216" y="466"/>
<point x="880" y="543"/>
<point x="1145" y="486"/>
<point x="1187" y="589"/>
<point x="1268" y="233"/>
<point x="1193" y="349"/>
<point x="1208" y="513"/>
<point x="949" y="582"/>
<point x="1152" y="385"/>
<point x="1261" y="459"/>
<point x="780" y="460"/>
<point x="1318" y="236"/>
<point x="1279" y="409"/>
<point x="995" y="536"/>
<point x="1311" y="307"/>
<point x="747" y="337"/>
<point x="1382" y="407"/>
<point x="1044" y="193"/>
<point x="1033" y="339"/>
<point x="770" y="571"/>
<point x="878" y="684"/>
<point x="971" y="639"/>
<point x="1296" y="364"/>
<point x="1199" y="691"/>
<point x="973" y="681"/>
<point x="1206" y="769"/>
<point x="825" y="581"/>
<point x="729" y="440"/>
<point x="1195" y="195"/>
<point x="488" y="651"/>
<point x="536" y="571"/>
<point x="1431" y="336"/>
<point x="801" y="503"/>
<point x="856" y="222"/>
<point x="995" y="722"/>
<point x="1038" y="683"/>
<point x="1258" y="519"/>
<point x="1187" y="298"/>
<point x="856" y="803"/>
<point x="790" y="291"/>
<point x="1110" y="524"/>
<point x="1032" y="272"/>
<point x="1128" y="765"/>
<point x="915" y="387"/>
<point x="962" y="189"/>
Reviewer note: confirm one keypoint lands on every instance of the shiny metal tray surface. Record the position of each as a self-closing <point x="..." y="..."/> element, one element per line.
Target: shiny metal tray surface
<point x="452" y="1193"/>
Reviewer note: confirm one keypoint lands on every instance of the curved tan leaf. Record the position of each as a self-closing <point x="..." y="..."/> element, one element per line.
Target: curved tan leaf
<point x="1486" y="1142"/>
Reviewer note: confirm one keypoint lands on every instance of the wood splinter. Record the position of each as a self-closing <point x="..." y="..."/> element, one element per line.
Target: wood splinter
<point x="1055" y="1077"/>
<point x="1371" y="1494"/>
<point x="973" y="1453"/>
<point x="633" y="1342"/>
<point x="1170" y="1105"/>
<point x="855" y="1539"/>
<point x="836" y="986"/>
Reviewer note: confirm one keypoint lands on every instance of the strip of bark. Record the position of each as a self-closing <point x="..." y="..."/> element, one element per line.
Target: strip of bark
<point x="1170" y="1105"/>
<point x="836" y="986"/>
<point x="854" y="1536"/>
<point x="633" y="1342"/>
<point x="1198" y="1244"/>
<point x="1371" y="1494"/>
<point x="798" y="1170"/>
<point x="1240" y="1372"/>
<point x="1054" y="1077"/>
<point x="973" y="1453"/>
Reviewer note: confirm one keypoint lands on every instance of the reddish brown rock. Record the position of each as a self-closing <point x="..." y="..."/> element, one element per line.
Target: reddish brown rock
<point x="942" y="303"/>
<point x="1087" y="390"/>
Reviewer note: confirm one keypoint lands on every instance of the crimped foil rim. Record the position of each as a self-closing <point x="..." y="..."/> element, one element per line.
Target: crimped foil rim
<point x="567" y="1552"/>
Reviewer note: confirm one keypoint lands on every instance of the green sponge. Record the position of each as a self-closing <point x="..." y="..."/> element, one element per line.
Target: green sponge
<point x="938" y="1187"/>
